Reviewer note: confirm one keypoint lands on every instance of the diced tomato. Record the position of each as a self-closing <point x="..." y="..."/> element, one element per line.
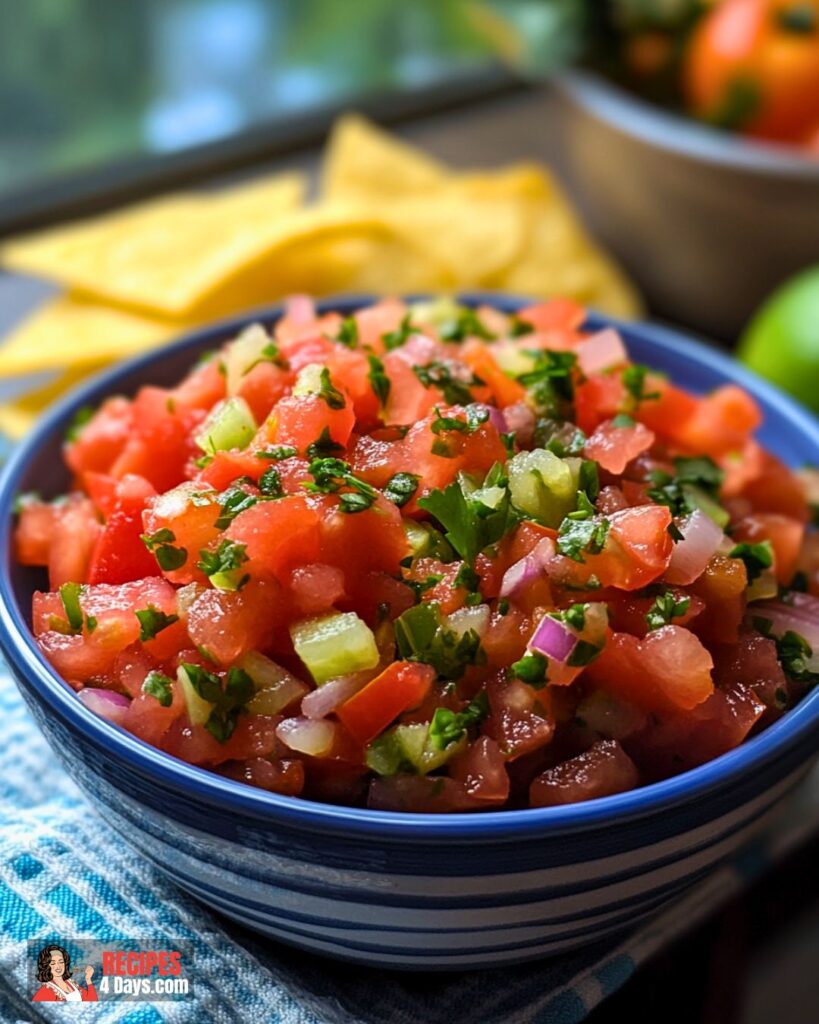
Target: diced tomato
<point x="482" y="771"/>
<point x="263" y="386"/>
<point x="722" y="587"/>
<point x="603" y="770"/>
<point x="102" y="439"/>
<point x="521" y="719"/>
<point x="668" y="413"/>
<point x="119" y="555"/>
<point x="279" y="535"/>
<point x="189" y="512"/>
<point x="202" y="388"/>
<point x="76" y="530"/>
<point x="316" y="588"/>
<point x="600" y="397"/>
<point x="35" y="532"/>
<point x="358" y="542"/>
<point x="554" y="315"/>
<point x="774" y="488"/>
<point x="479" y="358"/>
<point x="227" y="466"/>
<point x="301" y="420"/>
<point x="229" y="623"/>
<point x="784" y="533"/>
<point x="400" y="686"/>
<point x="614" y="447"/>
<point x="722" y="422"/>
<point x="668" y="669"/>
<point x="375" y="321"/>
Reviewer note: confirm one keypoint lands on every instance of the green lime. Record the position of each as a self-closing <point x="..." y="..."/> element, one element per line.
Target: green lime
<point x="781" y="342"/>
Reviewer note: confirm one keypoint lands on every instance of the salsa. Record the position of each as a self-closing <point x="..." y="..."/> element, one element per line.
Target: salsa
<point x="429" y="558"/>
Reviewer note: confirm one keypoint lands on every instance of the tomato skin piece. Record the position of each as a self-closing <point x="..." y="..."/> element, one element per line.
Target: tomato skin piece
<point x="402" y="685"/>
<point x="598" y="398"/>
<point x="262" y="386"/>
<point x="119" y="554"/>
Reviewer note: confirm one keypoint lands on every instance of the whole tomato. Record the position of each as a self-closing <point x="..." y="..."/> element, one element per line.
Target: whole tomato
<point x="753" y="66"/>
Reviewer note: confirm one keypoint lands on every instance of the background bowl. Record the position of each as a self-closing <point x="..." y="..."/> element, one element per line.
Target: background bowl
<point x="707" y="223"/>
<point x="399" y="890"/>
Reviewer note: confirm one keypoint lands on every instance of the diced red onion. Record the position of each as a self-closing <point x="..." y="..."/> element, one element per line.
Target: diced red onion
<point x="496" y="417"/>
<point x="802" y="617"/>
<point x="700" y="540"/>
<point x="105" y="703"/>
<point x="306" y="735"/>
<point x="521" y="421"/>
<point x="601" y="351"/>
<point x="324" y="699"/>
<point x="553" y="638"/>
<point x="528" y="569"/>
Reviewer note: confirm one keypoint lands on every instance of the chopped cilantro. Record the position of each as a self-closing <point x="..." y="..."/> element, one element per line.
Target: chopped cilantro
<point x="583" y="654"/>
<point x="520" y="327"/>
<point x="454" y="389"/>
<point x="467" y="578"/>
<point x="379" y="381"/>
<point x="227" y="701"/>
<point x="270" y="354"/>
<point x="560" y="437"/>
<point x="469" y="525"/>
<point x="449" y="726"/>
<point x="70" y="597"/>
<point x="270" y="483"/>
<point x="696" y="484"/>
<point x="634" y="381"/>
<point x="422" y="586"/>
<point x="550" y="382"/>
<point x="503" y="606"/>
<point x="153" y="620"/>
<point x="665" y="608"/>
<point x="531" y="669"/>
<point x="277" y="453"/>
<point x="348" y="332"/>
<point x="395" y="339"/>
<point x="623" y="420"/>
<point x="161" y="545"/>
<point x="466" y="325"/>
<point x="578" y="536"/>
<point x="235" y="500"/>
<point x="400" y="488"/>
<point x="159" y="686"/>
<point x="330" y="475"/>
<point x="80" y="419"/>
<point x="421" y="636"/>
<point x="757" y="557"/>
<point x="328" y="392"/>
<point x="223" y="564"/>
<point x="323" y="446"/>
<point x="794" y="653"/>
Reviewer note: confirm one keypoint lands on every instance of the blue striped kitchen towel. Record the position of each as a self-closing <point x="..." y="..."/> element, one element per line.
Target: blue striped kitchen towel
<point x="63" y="872"/>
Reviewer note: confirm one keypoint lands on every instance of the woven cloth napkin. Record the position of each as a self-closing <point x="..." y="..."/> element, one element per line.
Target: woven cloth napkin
<point x="63" y="872"/>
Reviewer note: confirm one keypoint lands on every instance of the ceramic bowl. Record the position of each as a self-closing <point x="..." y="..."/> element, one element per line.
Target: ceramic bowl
<point x="706" y="222"/>
<point x="389" y="889"/>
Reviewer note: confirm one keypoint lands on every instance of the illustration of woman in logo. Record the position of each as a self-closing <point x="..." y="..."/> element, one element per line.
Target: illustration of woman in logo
<point x="54" y="971"/>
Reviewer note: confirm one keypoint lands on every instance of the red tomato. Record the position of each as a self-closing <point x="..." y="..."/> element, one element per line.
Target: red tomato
<point x="301" y="420"/>
<point x="102" y="439"/>
<point x="668" y="669"/>
<point x="722" y="587"/>
<point x="400" y="686"/>
<point x="76" y="530"/>
<point x="119" y="554"/>
<point x="785" y="535"/>
<point x="722" y="422"/>
<point x="614" y="447"/>
<point x="279" y="535"/>
<point x="478" y="357"/>
<point x="35" y="531"/>
<point x="603" y="770"/>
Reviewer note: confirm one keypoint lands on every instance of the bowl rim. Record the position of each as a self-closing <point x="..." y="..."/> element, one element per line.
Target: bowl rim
<point x="19" y="647"/>
<point x="684" y="136"/>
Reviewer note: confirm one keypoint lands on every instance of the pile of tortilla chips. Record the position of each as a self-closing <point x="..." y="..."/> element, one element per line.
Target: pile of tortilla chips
<point x="389" y="219"/>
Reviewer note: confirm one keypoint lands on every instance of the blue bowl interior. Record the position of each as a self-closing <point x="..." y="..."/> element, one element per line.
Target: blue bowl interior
<point x="788" y="430"/>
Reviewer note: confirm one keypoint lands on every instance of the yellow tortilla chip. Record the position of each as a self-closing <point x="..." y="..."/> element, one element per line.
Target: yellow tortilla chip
<point x="363" y="160"/>
<point x="71" y="332"/>
<point x="163" y="256"/>
<point x="19" y="415"/>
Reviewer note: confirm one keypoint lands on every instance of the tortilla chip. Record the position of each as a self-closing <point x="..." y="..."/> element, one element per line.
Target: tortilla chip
<point x="19" y="415"/>
<point x="163" y="256"/>
<point x="70" y="332"/>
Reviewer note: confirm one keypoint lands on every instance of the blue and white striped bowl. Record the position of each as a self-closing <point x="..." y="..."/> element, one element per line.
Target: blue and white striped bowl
<point x="429" y="892"/>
